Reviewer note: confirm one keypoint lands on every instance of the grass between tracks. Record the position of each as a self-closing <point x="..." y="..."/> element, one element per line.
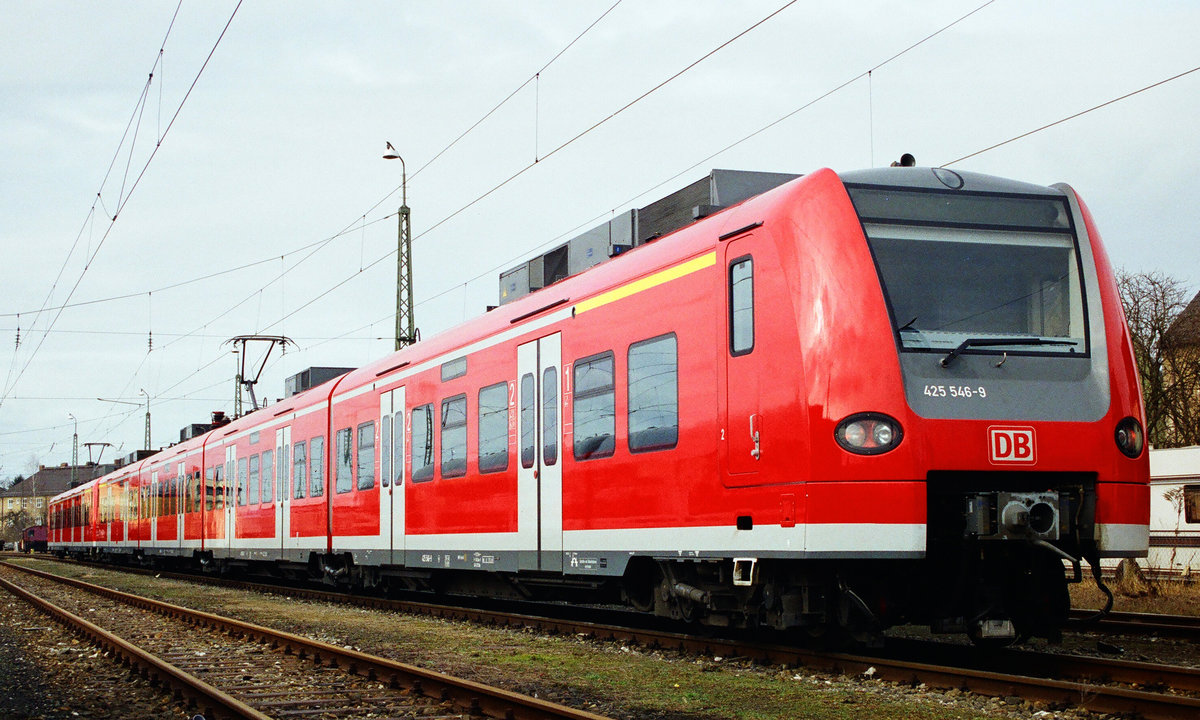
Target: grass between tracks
<point x="605" y="678"/>
<point x="1168" y="597"/>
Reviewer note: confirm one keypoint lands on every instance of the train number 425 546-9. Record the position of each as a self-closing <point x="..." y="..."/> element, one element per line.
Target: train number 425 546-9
<point x="955" y="391"/>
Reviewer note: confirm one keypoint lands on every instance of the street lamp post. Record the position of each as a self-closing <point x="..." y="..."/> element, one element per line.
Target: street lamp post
<point x="406" y="331"/>
<point x="143" y="392"/>
<point x="136" y="404"/>
<point x="74" y="449"/>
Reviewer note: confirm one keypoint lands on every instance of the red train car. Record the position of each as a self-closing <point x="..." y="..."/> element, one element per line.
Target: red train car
<point x="900" y="395"/>
<point x="33" y="539"/>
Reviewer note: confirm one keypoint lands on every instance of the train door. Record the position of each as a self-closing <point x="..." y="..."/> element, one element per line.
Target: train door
<point x="744" y="426"/>
<point x="124" y="515"/>
<point x="152" y="510"/>
<point x="283" y="486"/>
<point x="230" y="497"/>
<point x="106" y="504"/>
<point x="212" y="526"/>
<point x="539" y="469"/>
<point x="391" y="473"/>
<point x="177" y="506"/>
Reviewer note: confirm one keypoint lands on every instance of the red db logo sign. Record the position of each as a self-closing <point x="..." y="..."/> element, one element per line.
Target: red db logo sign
<point x="1011" y="445"/>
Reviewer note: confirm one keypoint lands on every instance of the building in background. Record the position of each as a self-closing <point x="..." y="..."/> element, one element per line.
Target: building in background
<point x="32" y="494"/>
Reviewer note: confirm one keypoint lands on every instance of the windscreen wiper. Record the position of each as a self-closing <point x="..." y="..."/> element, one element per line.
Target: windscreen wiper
<point x="999" y="342"/>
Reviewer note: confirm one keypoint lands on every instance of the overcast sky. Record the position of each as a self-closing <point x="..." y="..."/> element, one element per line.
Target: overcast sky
<point x="278" y="149"/>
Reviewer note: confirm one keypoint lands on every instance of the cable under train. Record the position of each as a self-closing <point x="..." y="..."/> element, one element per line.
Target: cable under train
<point x="888" y="396"/>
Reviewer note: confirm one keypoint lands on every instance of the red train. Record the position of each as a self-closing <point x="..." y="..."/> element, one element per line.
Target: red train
<point x="900" y="395"/>
<point x="33" y="539"/>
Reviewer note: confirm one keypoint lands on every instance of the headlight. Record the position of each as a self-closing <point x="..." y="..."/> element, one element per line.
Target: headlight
<point x="868" y="433"/>
<point x="1130" y="437"/>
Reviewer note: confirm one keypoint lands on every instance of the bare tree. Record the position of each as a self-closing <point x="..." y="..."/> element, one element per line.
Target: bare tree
<point x="1165" y="331"/>
<point x="1182" y="358"/>
<point x="14" y="522"/>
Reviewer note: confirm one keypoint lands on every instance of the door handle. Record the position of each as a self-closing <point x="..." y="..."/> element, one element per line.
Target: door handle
<point x="756" y="453"/>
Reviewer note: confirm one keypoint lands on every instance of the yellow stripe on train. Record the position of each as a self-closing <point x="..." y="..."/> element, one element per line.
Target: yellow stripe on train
<point x="658" y="278"/>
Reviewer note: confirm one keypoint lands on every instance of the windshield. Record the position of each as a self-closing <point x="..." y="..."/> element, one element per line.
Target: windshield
<point x="959" y="267"/>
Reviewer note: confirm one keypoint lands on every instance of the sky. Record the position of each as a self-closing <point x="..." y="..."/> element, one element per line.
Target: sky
<point x="239" y="148"/>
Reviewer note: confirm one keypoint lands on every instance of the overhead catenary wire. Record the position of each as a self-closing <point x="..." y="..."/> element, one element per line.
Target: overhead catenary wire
<point x="320" y="245"/>
<point x="502" y="103"/>
<point x="89" y="220"/>
<point x="361" y="223"/>
<point x="123" y="200"/>
<point x="456" y="287"/>
<point x="176" y="285"/>
<point x="691" y="167"/>
<point x="46" y="398"/>
<point x="138" y="333"/>
<point x="578" y="136"/>
<point x="867" y="73"/>
<point x="9" y="386"/>
<point x="61" y="425"/>
<point x="390" y="253"/>
<point x="1081" y="113"/>
<point x="562" y="146"/>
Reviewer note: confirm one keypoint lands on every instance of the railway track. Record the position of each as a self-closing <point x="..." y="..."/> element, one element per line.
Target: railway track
<point x="233" y="669"/>
<point x="1184" y="627"/>
<point x="1102" y="685"/>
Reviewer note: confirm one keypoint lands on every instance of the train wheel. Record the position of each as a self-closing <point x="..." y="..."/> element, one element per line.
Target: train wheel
<point x="642" y="578"/>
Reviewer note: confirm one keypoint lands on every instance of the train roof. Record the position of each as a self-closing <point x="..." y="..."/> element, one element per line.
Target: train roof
<point x="933" y="178"/>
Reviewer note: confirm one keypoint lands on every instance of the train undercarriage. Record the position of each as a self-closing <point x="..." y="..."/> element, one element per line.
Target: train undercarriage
<point x="997" y="567"/>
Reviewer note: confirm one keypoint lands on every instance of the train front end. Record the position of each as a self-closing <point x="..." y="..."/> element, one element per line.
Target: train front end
<point x="1023" y="406"/>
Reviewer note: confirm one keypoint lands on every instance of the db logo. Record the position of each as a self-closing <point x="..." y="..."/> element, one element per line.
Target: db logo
<point x="1011" y="445"/>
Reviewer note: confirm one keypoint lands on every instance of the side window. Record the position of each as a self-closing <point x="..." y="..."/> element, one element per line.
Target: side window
<point x="316" y="474"/>
<point x="344" y="472"/>
<point x="654" y="394"/>
<point x="594" y="412"/>
<point x="364" y="472"/>
<point x="1191" y="503"/>
<point x="385" y="450"/>
<point x="398" y="447"/>
<point x="241" y="481"/>
<point x="268" y="475"/>
<point x="454" y="369"/>
<point x="422" y="443"/>
<point x="454" y="436"/>
<point x="299" y="463"/>
<point x="493" y="428"/>
<point x="214" y="496"/>
<point x="282" y="471"/>
<point x="550" y="416"/>
<point x="255" y="489"/>
<point x="528" y="421"/>
<point x="741" y="306"/>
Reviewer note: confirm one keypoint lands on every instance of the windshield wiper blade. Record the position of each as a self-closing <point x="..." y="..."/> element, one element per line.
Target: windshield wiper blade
<point x="1000" y="342"/>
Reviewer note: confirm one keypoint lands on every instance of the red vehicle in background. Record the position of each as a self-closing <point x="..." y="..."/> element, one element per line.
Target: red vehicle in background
<point x="33" y="539"/>
<point x="900" y="395"/>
